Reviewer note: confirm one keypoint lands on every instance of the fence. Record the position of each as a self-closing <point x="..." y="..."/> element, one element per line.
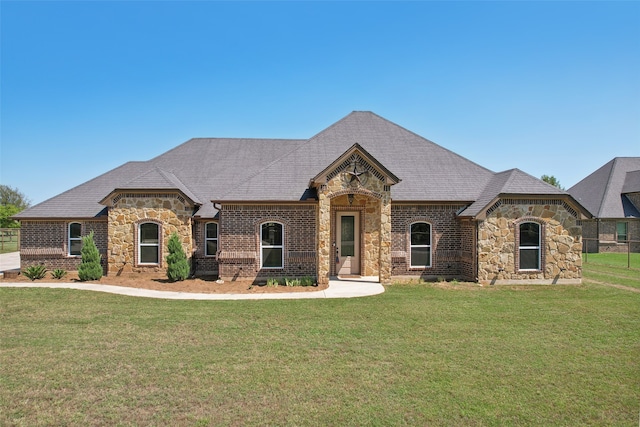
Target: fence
<point x="629" y="248"/>
<point x="9" y="240"/>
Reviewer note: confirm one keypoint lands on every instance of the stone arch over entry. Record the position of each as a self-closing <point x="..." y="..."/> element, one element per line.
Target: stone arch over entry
<point x="356" y="182"/>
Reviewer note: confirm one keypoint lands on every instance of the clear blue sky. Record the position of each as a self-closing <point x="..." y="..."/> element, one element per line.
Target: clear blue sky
<point x="547" y="87"/>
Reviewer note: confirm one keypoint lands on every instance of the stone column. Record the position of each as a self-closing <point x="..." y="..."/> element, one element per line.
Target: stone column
<point x="385" y="239"/>
<point x="324" y="236"/>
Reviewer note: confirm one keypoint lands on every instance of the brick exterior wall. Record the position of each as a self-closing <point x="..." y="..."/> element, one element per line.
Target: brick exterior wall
<point x="447" y="235"/>
<point x="239" y="243"/>
<point x="601" y="235"/>
<point x="203" y="264"/>
<point x="46" y="243"/>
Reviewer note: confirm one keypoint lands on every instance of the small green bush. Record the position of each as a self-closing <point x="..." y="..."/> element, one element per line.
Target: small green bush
<point x="292" y="282"/>
<point x="35" y="272"/>
<point x="90" y="267"/>
<point x="307" y="281"/>
<point x="177" y="263"/>
<point x="272" y="282"/>
<point x="58" y="273"/>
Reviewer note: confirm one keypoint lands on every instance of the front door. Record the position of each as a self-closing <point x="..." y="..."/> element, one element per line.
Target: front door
<point x="347" y="243"/>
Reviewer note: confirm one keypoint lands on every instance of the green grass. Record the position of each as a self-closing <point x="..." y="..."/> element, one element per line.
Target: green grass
<point x="612" y="268"/>
<point x="8" y="246"/>
<point x="623" y="260"/>
<point x="415" y="355"/>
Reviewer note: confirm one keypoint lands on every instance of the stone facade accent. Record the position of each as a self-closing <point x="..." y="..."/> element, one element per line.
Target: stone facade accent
<point x="561" y="245"/>
<point x="373" y="200"/>
<point x="46" y="243"/>
<point x="170" y="211"/>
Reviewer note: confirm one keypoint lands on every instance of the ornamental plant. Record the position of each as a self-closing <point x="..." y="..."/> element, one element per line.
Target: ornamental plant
<point x="90" y="267"/>
<point x="35" y="272"/>
<point x="177" y="264"/>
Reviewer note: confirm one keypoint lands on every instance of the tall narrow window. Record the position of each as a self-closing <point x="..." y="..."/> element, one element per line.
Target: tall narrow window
<point x="75" y="239"/>
<point x="211" y="239"/>
<point x="529" y="246"/>
<point x="420" y="253"/>
<point x="149" y="243"/>
<point x="271" y="246"/>
<point x="621" y="232"/>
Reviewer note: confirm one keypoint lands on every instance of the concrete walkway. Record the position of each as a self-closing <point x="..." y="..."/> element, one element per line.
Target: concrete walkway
<point x="351" y="288"/>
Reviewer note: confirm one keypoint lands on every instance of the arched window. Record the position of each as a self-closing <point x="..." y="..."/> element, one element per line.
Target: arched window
<point x="149" y="243"/>
<point x="271" y="245"/>
<point x="529" y="246"/>
<point x="420" y="243"/>
<point x="211" y="238"/>
<point x="75" y="239"/>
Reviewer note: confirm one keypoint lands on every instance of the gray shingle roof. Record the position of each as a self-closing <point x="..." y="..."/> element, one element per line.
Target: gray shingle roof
<point x="601" y="191"/>
<point x="427" y="170"/>
<point x="232" y="169"/>
<point x="510" y="182"/>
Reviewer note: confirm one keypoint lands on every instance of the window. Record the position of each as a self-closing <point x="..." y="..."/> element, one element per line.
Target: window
<point x="149" y="243"/>
<point x="271" y="247"/>
<point x="75" y="239"/>
<point x="420" y="253"/>
<point x="211" y="239"/>
<point x="621" y="232"/>
<point x="529" y="246"/>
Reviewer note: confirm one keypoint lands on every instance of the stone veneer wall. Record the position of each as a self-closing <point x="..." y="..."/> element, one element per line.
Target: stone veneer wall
<point x="446" y="237"/>
<point x="377" y="213"/>
<point x="129" y="210"/>
<point x="46" y="243"/>
<point x="239" y="241"/>
<point x="561" y="246"/>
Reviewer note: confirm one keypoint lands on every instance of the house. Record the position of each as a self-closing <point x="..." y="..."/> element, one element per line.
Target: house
<point x="362" y="197"/>
<point x="612" y="195"/>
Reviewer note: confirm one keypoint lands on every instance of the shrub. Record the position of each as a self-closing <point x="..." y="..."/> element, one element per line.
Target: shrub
<point x="35" y="272"/>
<point x="177" y="264"/>
<point x="89" y="268"/>
<point x="292" y="282"/>
<point x="307" y="281"/>
<point x="58" y="273"/>
<point x="272" y="282"/>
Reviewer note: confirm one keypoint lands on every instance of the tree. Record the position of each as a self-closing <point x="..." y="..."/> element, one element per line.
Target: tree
<point x="90" y="268"/>
<point x="6" y="212"/>
<point x="550" y="179"/>
<point x="12" y="202"/>
<point x="12" y="196"/>
<point x="177" y="264"/>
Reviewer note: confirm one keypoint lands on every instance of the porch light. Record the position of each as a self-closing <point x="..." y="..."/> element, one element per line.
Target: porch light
<point x="350" y="197"/>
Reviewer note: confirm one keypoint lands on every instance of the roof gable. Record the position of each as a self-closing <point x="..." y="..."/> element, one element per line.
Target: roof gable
<point x="601" y="191"/>
<point x="361" y="161"/>
<point x="514" y="182"/>
<point x="155" y="179"/>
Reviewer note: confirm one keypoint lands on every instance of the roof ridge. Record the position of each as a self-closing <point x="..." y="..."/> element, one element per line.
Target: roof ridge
<point x="607" y="186"/>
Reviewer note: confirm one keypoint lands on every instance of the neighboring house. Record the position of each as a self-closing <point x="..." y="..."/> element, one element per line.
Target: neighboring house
<point x="612" y="195"/>
<point x="363" y="197"/>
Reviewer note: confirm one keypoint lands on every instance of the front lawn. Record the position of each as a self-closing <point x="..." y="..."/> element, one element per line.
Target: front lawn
<point x="415" y="355"/>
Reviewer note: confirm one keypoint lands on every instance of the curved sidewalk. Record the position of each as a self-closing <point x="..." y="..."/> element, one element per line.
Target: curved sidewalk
<point x="336" y="289"/>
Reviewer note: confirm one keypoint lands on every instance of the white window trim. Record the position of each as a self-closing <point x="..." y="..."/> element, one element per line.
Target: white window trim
<point x="140" y="244"/>
<point x="206" y="239"/>
<point x="262" y="246"/>
<point x="539" y="247"/>
<point x="70" y="239"/>
<point x="421" y="246"/>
